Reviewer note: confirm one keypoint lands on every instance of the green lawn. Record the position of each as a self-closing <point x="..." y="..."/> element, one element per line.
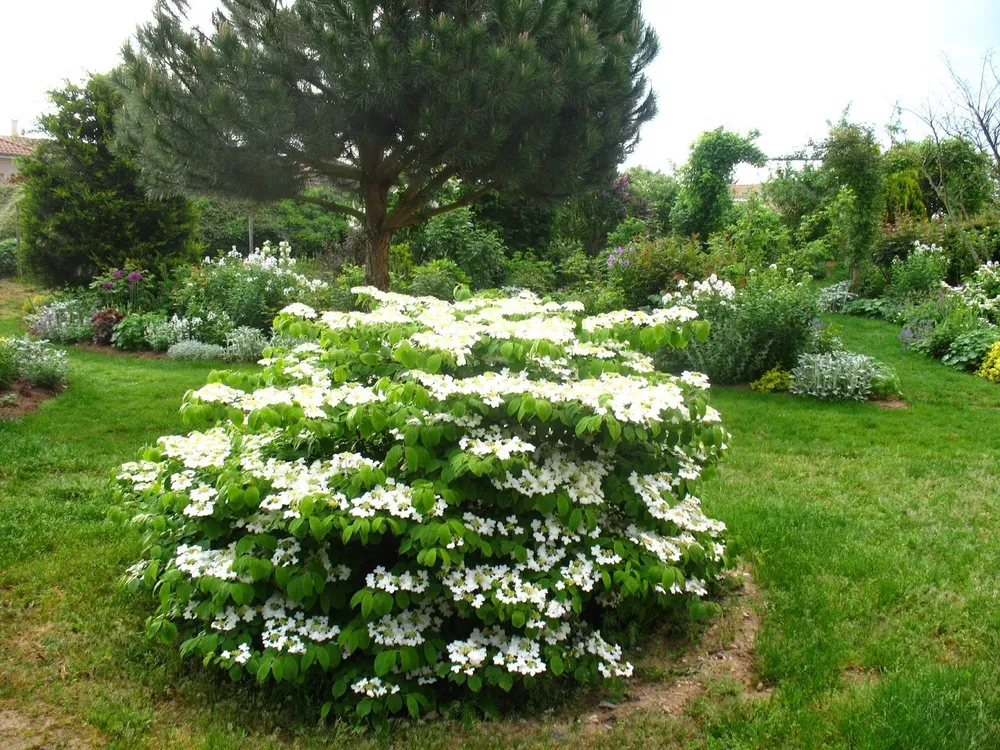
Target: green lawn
<point x="872" y="533"/>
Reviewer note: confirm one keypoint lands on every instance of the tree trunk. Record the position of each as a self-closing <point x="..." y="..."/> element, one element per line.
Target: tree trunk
<point x="377" y="273"/>
<point x="376" y="209"/>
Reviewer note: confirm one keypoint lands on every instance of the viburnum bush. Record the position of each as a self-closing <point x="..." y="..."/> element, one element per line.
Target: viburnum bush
<point x="430" y="500"/>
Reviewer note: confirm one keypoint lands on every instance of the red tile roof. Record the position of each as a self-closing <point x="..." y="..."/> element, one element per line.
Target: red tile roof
<point x="17" y="145"/>
<point x="743" y="191"/>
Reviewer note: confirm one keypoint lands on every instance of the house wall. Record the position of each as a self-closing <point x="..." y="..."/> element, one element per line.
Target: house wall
<point x="7" y="169"/>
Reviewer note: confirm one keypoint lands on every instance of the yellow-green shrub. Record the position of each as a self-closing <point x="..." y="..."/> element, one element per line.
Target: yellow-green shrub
<point x="990" y="369"/>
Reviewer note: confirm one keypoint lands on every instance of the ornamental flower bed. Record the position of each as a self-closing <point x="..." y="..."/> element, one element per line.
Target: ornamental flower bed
<point x="431" y="500"/>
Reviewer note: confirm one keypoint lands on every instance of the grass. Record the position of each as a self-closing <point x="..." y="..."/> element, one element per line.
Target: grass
<point x="873" y="535"/>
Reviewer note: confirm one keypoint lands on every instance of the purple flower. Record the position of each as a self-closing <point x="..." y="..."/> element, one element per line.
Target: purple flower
<point x="117" y="274"/>
<point x="135" y="276"/>
<point x="108" y="285"/>
<point x="618" y="256"/>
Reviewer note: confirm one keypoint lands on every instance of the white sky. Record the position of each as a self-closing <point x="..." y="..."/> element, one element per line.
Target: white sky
<point x="784" y="67"/>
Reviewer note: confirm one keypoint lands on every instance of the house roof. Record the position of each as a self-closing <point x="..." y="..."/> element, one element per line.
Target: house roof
<point x="17" y="145"/>
<point x="743" y="191"/>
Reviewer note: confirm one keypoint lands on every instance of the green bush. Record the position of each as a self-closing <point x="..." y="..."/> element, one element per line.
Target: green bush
<point x="949" y="319"/>
<point x="653" y="267"/>
<point x="479" y="253"/>
<point x="245" y="291"/>
<point x="765" y="323"/>
<point x="130" y="334"/>
<point x="920" y="274"/>
<point x="754" y="239"/>
<point x="968" y="350"/>
<point x="437" y="279"/>
<point x="812" y="258"/>
<point x="578" y="270"/>
<point x="629" y="233"/>
<point x="775" y="380"/>
<point x="880" y="308"/>
<point x="440" y="513"/>
<point x="8" y="364"/>
<point x="8" y="258"/>
<point x="527" y="272"/>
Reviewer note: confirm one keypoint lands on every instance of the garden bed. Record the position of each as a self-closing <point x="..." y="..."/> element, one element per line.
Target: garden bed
<point x="23" y="398"/>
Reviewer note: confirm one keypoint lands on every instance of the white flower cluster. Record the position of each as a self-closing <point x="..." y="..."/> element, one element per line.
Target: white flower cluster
<point x="712" y="288"/>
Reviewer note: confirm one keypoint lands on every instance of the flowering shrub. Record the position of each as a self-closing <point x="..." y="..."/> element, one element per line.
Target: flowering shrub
<point x="843" y="376"/>
<point x="214" y="328"/>
<point x="648" y="268"/>
<point x="65" y="321"/>
<point x="196" y="351"/>
<point x="824" y="338"/>
<point x="764" y="323"/>
<point x="982" y="290"/>
<point x="921" y="274"/>
<point x="34" y="362"/>
<point x="249" y="290"/>
<point x="127" y="288"/>
<point x="432" y="498"/>
<point x="990" y="369"/>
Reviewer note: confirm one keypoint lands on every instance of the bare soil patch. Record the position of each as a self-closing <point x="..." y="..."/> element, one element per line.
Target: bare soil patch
<point x="23" y="731"/>
<point x="894" y="404"/>
<point x="724" y="653"/>
<point x="23" y="398"/>
<point x="116" y="352"/>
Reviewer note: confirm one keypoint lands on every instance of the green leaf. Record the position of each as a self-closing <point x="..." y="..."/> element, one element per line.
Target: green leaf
<point x="384" y="662"/>
<point x="556" y="663"/>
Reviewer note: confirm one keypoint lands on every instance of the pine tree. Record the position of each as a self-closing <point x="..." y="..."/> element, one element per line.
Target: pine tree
<point x="387" y="101"/>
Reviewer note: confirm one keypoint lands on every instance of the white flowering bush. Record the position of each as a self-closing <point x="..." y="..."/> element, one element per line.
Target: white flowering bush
<point x="430" y="500"/>
<point x="982" y="290"/>
<point x="247" y="290"/>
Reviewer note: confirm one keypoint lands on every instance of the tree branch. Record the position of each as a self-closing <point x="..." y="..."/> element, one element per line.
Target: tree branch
<point x="414" y="198"/>
<point x="339" y="208"/>
<point x="465" y="200"/>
